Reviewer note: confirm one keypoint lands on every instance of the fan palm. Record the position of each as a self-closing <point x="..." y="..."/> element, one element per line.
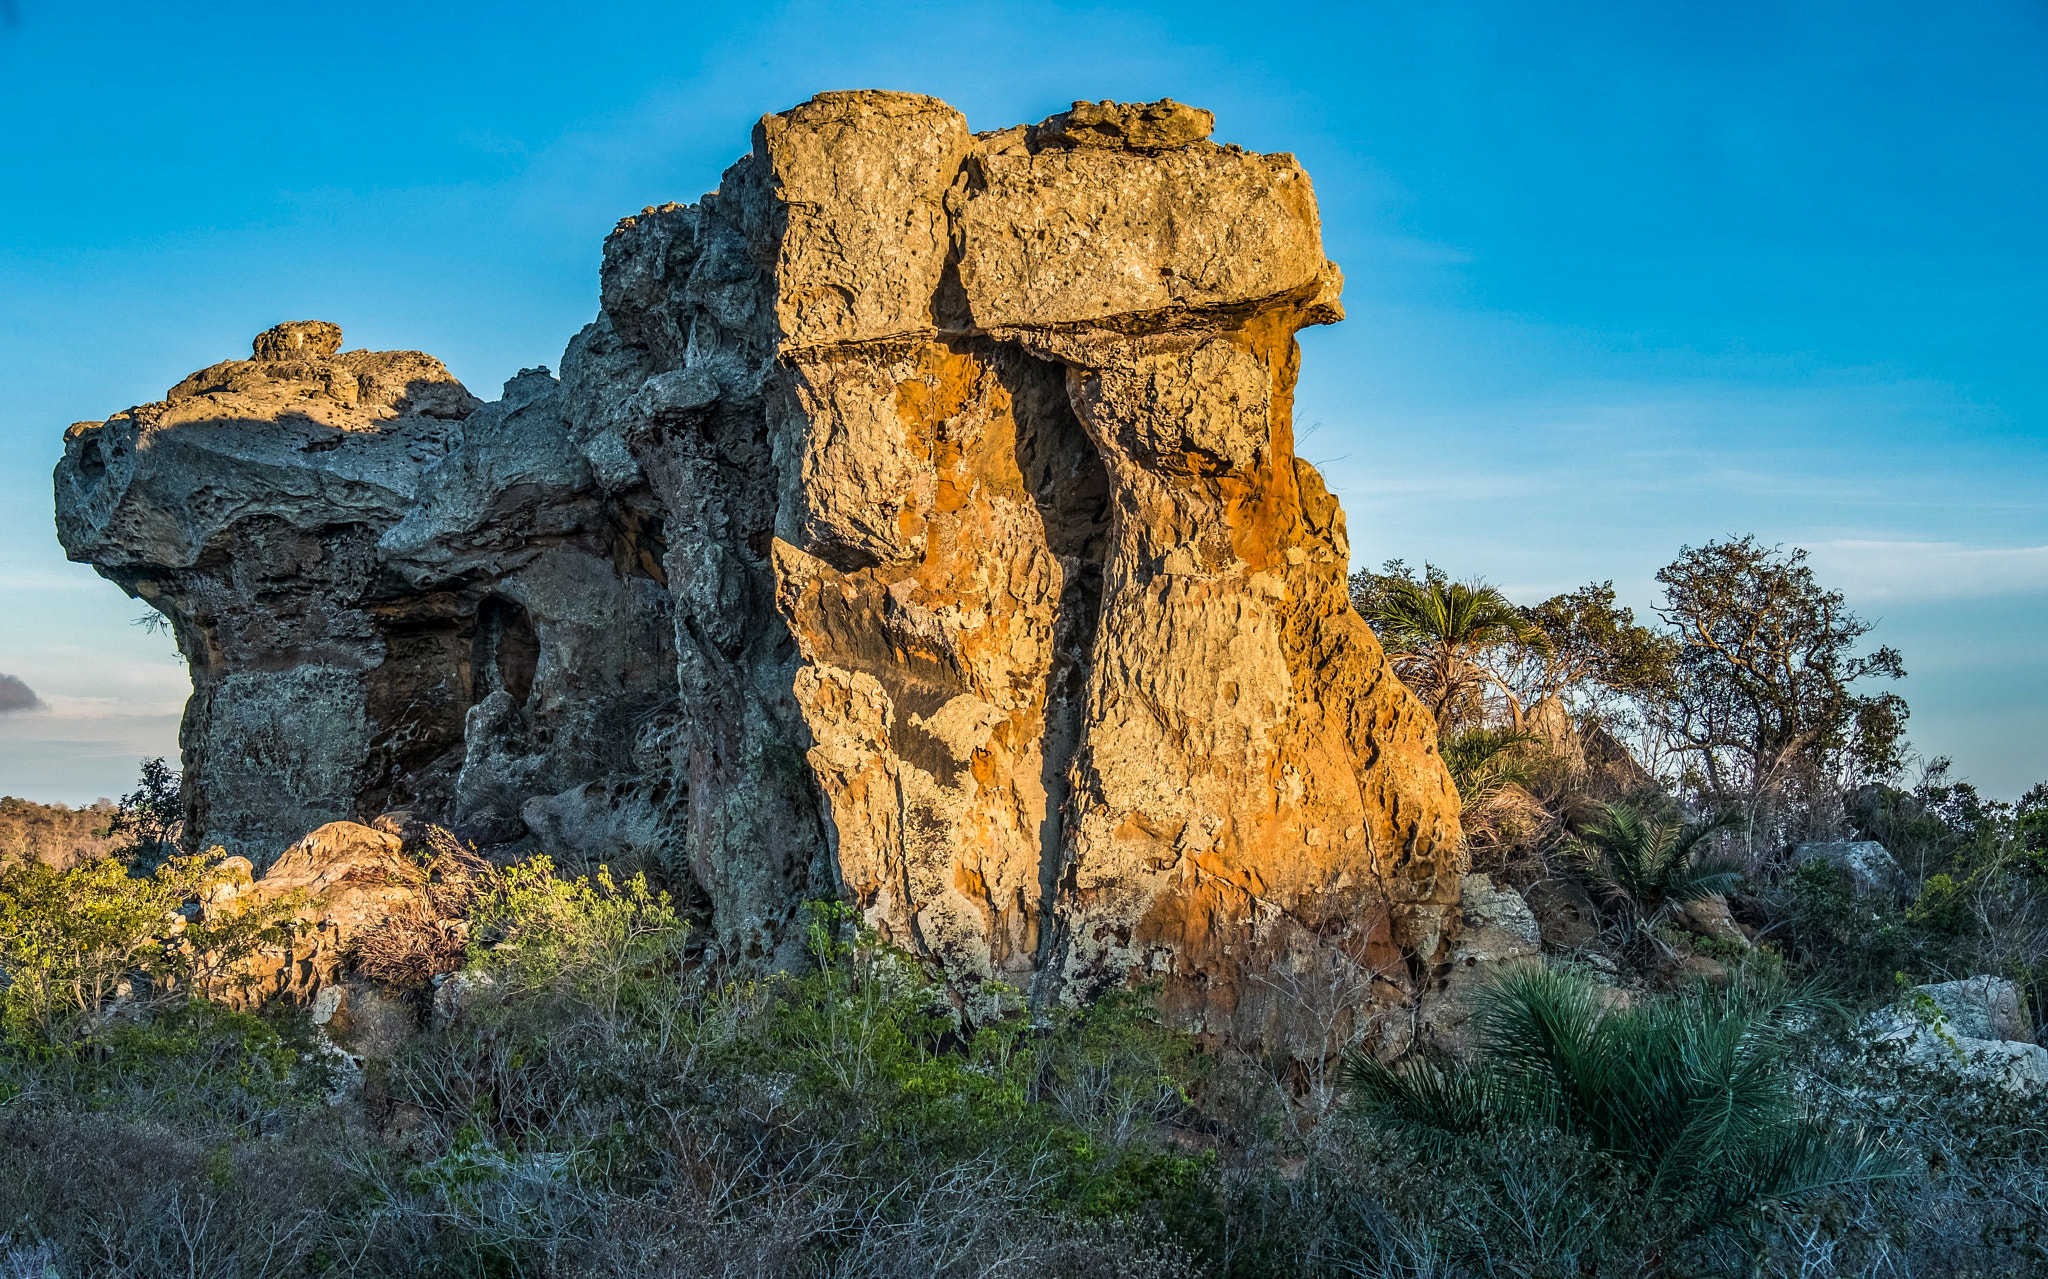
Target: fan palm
<point x="1693" y="1093"/>
<point x="1435" y="631"/>
<point x="1484" y="762"/>
<point x="1650" y="867"/>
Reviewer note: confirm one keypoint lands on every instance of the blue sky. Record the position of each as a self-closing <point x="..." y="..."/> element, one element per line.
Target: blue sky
<point x="1621" y="277"/>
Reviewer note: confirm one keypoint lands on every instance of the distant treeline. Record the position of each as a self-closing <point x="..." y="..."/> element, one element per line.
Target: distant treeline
<point x="54" y="834"/>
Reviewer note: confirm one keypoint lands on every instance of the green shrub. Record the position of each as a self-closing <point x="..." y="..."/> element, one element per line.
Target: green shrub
<point x="190" y="1065"/>
<point x="73" y="941"/>
<point x="1691" y="1095"/>
<point x="852" y="1088"/>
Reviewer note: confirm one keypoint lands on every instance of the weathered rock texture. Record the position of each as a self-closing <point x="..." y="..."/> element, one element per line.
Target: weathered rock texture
<point x="1499" y="930"/>
<point x="918" y="522"/>
<point x="341" y="882"/>
<point x="1975" y="1029"/>
<point x="390" y="595"/>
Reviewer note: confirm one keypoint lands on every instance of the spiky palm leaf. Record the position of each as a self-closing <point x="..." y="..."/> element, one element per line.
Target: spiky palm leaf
<point x="1484" y="762"/>
<point x="1434" y="629"/>
<point x="1650" y="867"/>
<point x="1440" y="1102"/>
<point x="1693" y="1091"/>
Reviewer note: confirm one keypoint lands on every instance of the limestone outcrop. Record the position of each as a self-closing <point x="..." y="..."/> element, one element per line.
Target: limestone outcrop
<point x="918" y="523"/>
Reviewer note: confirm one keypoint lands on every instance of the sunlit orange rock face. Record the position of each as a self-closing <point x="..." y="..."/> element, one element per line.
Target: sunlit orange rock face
<point x="1078" y="680"/>
<point x="918" y="523"/>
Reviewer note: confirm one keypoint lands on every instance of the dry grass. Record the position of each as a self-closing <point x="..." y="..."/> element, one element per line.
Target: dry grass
<point x="429" y="934"/>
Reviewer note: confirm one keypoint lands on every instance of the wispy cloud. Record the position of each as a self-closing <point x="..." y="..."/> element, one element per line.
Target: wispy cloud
<point x="1882" y="570"/>
<point x="58" y="707"/>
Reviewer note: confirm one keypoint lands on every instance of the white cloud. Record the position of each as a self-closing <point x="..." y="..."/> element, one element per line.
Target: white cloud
<point x="1881" y="570"/>
<point x="60" y="707"/>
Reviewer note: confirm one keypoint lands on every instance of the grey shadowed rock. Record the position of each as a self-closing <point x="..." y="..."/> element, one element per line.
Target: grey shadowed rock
<point x="1983" y="1007"/>
<point x="1868" y="864"/>
<point x="1974" y="1029"/>
<point x="1498" y="929"/>
<point x="917" y="523"/>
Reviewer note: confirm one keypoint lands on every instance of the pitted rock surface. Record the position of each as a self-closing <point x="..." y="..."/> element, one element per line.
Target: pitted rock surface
<point x="917" y="523"/>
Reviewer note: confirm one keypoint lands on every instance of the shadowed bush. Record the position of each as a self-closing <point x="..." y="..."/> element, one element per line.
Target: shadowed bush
<point x="1691" y="1094"/>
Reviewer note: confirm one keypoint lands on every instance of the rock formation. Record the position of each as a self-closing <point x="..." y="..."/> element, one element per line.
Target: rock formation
<point x="341" y="883"/>
<point x="918" y="523"/>
<point x="353" y="553"/>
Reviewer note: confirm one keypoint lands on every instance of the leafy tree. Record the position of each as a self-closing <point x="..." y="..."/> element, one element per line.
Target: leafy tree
<point x="152" y="815"/>
<point x="1764" y="681"/>
<point x="2030" y="820"/>
<point x="1441" y="634"/>
<point x="1591" y="643"/>
<point x="1650" y="867"/>
<point x="1692" y="1094"/>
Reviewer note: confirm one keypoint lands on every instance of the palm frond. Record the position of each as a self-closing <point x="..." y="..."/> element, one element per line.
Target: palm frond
<point x="1692" y="835"/>
<point x="1436" y="1100"/>
<point x="1648" y="866"/>
<point x="1788" y="1163"/>
<point x="1690" y="882"/>
<point x="1544" y="1027"/>
<point x="1692" y="1090"/>
<point x="1483" y="762"/>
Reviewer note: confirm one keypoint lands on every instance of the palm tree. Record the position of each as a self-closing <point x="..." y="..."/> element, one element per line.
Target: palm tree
<point x="1692" y="1093"/>
<point x="1435" y="630"/>
<point x="1649" y="867"/>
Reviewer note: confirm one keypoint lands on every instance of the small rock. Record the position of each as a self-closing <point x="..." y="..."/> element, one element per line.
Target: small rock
<point x="1130" y="126"/>
<point x="327" y="1004"/>
<point x="1498" y="924"/>
<point x="1709" y="918"/>
<point x="296" y="338"/>
<point x="453" y="995"/>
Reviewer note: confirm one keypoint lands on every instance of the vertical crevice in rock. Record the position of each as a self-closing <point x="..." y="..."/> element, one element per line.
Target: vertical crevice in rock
<point x="1069" y="486"/>
<point x="507" y="652"/>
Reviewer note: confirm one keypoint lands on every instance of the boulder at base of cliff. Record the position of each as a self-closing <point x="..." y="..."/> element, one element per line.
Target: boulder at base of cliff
<point x="1927" y="1034"/>
<point x="1498" y="929"/>
<point x="355" y="884"/>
